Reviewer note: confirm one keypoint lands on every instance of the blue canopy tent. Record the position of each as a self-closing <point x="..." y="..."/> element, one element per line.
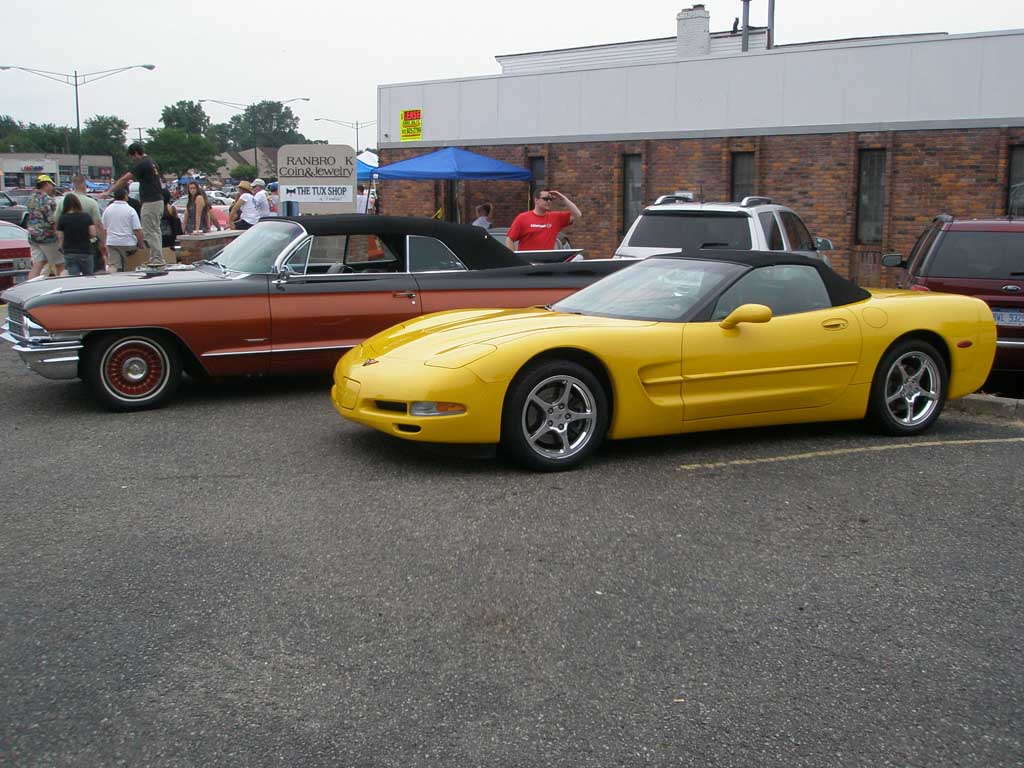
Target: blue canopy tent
<point x="364" y="172"/>
<point x="452" y="165"/>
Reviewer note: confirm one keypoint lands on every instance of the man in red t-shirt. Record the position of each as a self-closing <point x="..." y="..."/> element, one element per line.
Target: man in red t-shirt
<point x="537" y="230"/>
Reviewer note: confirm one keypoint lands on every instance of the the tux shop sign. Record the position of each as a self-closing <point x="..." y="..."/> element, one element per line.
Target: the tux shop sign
<point x="321" y="178"/>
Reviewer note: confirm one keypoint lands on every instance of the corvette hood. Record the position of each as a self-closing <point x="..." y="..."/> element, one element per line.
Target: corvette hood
<point x="446" y="333"/>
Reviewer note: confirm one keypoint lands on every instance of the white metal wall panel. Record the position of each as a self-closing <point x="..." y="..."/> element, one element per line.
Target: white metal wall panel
<point x="804" y="101"/>
<point x="645" y="96"/>
<point x="479" y="108"/>
<point x="702" y="97"/>
<point x="603" y="102"/>
<point x="560" y="103"/>
<point x="445" y="108"/>
<point x="1002" y="64"/>
<point x="875" y="85"/>
<point x="400" y="97"/>
<point x="945" y="80"/>
<point x="755" y="101"/>
<point x="518" y="101"/>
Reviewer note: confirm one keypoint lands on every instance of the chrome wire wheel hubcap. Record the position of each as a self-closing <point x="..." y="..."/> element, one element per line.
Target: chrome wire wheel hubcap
<point x="134" y="369"/>
<point x="559" y="417"/>
<point x="912" y="389"/>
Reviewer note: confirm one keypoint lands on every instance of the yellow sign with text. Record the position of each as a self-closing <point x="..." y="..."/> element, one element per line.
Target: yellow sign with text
<point x="411" y="121"/>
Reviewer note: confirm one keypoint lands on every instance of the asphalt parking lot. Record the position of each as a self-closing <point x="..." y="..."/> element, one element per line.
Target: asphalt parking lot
<point x="241" y="579"/>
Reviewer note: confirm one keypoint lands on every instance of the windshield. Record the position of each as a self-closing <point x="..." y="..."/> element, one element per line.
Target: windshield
<point x="13" y="233"/>
<point x="256" y="250"/>
<point x="655" y="289"/>
<point x="692" y="230"/>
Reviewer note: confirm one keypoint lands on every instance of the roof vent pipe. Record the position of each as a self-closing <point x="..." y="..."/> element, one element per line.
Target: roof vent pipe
<point x="746" y="25"/>
<point x="771" y="24"/>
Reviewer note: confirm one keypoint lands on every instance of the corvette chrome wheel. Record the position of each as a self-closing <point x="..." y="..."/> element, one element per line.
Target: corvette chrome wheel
<point x="555" y="415"/>
<point x="909" y="389"/>
<point x="558" y="417"/>
<point x="912" y="389"/>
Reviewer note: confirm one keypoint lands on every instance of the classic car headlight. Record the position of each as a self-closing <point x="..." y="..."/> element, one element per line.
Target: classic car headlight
<point x="461" y="356"/>
<point x="431" y="408"/>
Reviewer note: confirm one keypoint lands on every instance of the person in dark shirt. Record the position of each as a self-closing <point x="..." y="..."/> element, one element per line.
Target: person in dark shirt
<point x="75" y="235"/>
<point x="170" y="228"/>
<point x="145" y="171"/>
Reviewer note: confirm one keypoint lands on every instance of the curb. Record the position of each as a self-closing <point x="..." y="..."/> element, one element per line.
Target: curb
<point x="990" y="406"/>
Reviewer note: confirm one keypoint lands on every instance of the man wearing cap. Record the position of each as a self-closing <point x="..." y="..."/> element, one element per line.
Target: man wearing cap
<point x="260" y="199"/>
<point x="151" y="194"/>
<point x="42" y="229"/>
<point x="243" y="213"/>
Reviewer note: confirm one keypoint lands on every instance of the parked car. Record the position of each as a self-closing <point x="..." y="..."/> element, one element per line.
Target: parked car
<point x="676" y="224"/>
<point x="12" y="211"/>
<point x="15" y="255"/>
<point x="674" y="344"/>
<point x="974" y="257"/>
<point x="288" y="295"/>
<point x="19" y="195"/>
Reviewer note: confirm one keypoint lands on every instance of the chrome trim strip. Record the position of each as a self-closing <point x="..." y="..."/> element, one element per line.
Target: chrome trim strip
<point x="278" y="351"/>
<point x="1009" y="343"/>
<point x="237" y="354"/>
<point x="315" y="349"/>
<point x="56" y="360"/>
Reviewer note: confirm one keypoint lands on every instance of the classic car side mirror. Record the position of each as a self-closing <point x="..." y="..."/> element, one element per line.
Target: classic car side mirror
<point x="747" y="313"/>
<point x="823" y="244"/>
<point x="893" y="260"/>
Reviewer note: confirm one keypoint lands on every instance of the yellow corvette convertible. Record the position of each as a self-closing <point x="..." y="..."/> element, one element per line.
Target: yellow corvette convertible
<point x="673" y="344"/>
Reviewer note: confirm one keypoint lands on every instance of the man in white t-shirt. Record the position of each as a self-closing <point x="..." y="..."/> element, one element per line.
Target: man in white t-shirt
<point x="364" y="201"/>
<point x="124" y="231"/>
<point x="259" y="198"/>
<point x="243" y="213"/>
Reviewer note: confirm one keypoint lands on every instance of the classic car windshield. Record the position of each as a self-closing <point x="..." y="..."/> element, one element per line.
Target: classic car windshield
<point x="656" y="289"/>
<point x="256" y="249"/>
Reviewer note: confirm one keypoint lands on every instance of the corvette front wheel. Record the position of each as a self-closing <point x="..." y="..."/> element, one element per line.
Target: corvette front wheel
<point x="134" y="371"/>
<point x="909" y="389"/>
<point x="555" y="415"/>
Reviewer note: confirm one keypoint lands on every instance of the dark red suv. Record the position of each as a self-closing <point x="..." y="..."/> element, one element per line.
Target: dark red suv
<point x="976" y="257"/>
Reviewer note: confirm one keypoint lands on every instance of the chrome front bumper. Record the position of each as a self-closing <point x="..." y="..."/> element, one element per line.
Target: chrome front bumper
<point x="50" y="359"/>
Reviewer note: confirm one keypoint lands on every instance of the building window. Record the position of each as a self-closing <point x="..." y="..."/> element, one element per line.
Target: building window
<point x="1015" y="189"/>
<point x="870" y="195"/>
<point x="742" y="175"/>
<point x="632" y="189"/>
<point x="539" y="181"/>
<point x="66" y="172"/>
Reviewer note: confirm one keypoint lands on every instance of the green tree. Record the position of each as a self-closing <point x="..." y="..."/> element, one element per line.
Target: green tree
<point x="187" y="115"/>
<point x="220" y="135"/>
<point x="267" y="124"/>
<point x="31" y="137"/>
<point x="246" y="171"/>
<point x="177" y="151"/>
<point x="104" y="135"/>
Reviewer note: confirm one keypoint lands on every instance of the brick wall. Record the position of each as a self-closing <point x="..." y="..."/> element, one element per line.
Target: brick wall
<point x="963" y="172"/>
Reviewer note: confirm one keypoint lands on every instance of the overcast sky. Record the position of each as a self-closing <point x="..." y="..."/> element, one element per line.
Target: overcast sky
<point x="336" y="53"/>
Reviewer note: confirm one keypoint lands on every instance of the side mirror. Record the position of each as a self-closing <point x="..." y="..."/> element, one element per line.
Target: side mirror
<point x="893" y="260"/>
<point x="823" y="244"/>
<point x="747" y="313"/>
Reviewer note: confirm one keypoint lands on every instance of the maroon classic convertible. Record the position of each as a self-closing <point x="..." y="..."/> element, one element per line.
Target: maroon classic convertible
<point x="289" y="295"/>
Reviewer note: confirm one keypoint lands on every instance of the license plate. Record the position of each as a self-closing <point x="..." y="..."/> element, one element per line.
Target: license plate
<point x="1009" y="316"/>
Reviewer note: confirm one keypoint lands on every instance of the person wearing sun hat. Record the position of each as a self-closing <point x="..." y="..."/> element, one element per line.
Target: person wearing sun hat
<point x="42" y="228"/>
<point x="243" y="213"/>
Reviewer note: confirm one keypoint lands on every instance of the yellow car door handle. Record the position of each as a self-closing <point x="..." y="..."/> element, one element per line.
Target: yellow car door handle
<point x="834" y="324"/>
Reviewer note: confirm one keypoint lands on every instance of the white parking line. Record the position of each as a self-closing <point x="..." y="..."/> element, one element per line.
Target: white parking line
<point x="844" y="451"/>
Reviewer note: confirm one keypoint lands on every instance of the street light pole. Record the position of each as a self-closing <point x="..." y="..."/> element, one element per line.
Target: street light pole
<point x="356" y="125"/>
<point x="74" y="79"/>
<point x="252" y="107"/>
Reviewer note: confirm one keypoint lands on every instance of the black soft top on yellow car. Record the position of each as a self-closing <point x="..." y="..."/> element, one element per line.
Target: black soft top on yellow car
<point x="840" y="290"/>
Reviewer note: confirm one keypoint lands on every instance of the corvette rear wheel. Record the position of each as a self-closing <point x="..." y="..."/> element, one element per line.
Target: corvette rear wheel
<point x="555" y="415"/>
<point x="132" y="372"/>
<point x="909" y="389"/>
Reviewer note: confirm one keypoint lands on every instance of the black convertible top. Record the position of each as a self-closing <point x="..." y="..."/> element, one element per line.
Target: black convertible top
<point x="476" y="248"/>
<point x="840" y="290"/>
